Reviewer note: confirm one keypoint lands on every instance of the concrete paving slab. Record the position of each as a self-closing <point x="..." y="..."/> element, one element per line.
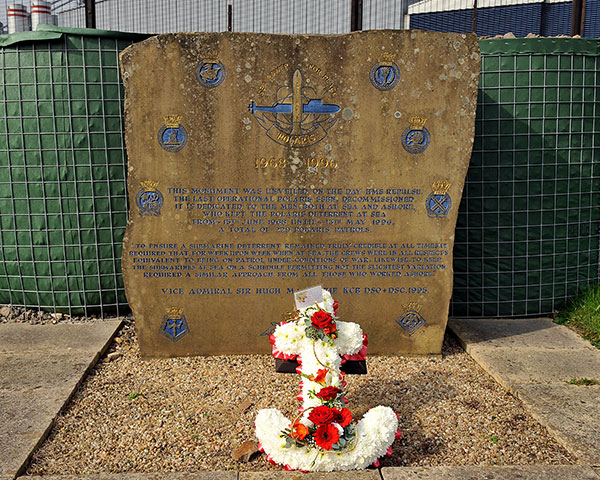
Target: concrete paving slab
<point x="514" y="332"/>
<point x="528" y="472"/>
<point x="511" y="366"/>
<point x="63" y="337"/>
<point x="571" y="413"/>
<point x="535" y="358"/>
<point x="219" y="475"/>
<point x="13" y="449"/>
<point x="283" y="475"/>
<point x="41" y="366"/>
<point x="28" y="372"/>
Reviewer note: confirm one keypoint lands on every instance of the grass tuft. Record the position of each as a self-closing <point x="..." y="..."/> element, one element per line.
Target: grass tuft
<point x="582" y="314"/>
<point x="583" y="381"/>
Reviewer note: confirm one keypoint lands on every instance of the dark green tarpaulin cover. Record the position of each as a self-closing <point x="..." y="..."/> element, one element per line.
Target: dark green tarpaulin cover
<point x="539" y="46"/>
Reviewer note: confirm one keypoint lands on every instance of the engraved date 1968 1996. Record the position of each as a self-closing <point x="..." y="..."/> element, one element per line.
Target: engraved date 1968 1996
<point x="311" y="163"/>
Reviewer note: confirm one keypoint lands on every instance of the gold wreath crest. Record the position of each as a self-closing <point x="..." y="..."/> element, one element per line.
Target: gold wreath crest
<point x="440" y="187"/>
<point x="416" y="122"/>
<point x="413" y="306"/>
<point x="149" y="185"/>
<point x="386" y="59"/>
<point x="174" y="311"/>
<point x="211" y="57"/>
<point x="172" y="121"/>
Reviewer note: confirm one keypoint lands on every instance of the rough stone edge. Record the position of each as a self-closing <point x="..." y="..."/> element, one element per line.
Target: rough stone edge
<point x="91" y="364"/>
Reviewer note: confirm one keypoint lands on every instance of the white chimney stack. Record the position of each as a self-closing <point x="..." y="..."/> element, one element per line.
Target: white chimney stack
<point x="41" y="12"/>
<point x="18" y="18"/>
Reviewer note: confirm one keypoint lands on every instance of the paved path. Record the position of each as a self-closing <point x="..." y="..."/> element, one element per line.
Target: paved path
<point x="40" y="368"/>
<point x="555" y="472"/>
<point x="535" y="359"/>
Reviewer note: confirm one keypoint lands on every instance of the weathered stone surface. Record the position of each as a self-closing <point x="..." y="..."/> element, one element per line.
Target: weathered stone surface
<point x="535" y="358"/>
<point x="517" y="365"/>
<point x="514" y="332"/>
<point x="26" y="415"/>
<point x="40" y="368"/>
<point x="27" y="372"/>
<point x="525" y="472"/>
<point x="264" y="164"/>
<point x="64" y="337"/>
<point x="571" y="413"/>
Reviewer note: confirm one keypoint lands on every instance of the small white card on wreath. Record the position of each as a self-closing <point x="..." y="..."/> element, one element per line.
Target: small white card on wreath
<point x="309" y="297"/>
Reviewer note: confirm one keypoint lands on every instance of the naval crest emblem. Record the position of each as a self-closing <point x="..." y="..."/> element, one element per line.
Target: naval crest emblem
<point x="172" y="136"/>
<point x="210" y="73"/>
<point x="149" y="200"/>
<point x="174" y="325"/>
<point x="297" y="118"/>
<point x="385" y="74"/>
<point x="411" y="320"/>
<point x="416" y="138"/>
<point x="438" y="202"/>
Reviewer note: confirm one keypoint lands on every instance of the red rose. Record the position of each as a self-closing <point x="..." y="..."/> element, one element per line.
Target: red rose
<point x="326" y="436"/>
<point x="321" y="415"/>
<point x="328" y="393"/>
<point x="342" y="417"/>
<point x="335" y="306"/>
<point x="321" y="319"/>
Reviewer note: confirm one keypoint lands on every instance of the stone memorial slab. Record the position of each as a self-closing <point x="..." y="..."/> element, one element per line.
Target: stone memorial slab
<point x="263" y="165"/>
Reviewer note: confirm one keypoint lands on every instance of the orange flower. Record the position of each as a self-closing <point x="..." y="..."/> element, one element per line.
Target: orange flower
<point x="299" y="431"/>
<point x="320" y="376"/>
<point x="331" y="328"/>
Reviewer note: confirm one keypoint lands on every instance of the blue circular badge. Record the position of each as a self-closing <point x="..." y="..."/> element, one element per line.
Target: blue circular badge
<point x="210" y="74"/>
<point x="149" y="202"/>
<point x="171" y="138"/>
<point x="416" y="140"/>
<point x="385" y="76"/>
<point x="438" y="205"/>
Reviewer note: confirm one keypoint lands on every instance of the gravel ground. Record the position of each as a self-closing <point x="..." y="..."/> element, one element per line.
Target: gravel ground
<point x="188" y="414"/>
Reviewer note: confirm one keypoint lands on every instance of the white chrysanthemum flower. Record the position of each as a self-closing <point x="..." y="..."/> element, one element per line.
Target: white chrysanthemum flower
<point x="289" y="338"/>
<point x="350" y="338"/>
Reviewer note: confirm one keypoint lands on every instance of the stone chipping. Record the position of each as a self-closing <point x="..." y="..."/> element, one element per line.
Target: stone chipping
<point x="189" y="414"/>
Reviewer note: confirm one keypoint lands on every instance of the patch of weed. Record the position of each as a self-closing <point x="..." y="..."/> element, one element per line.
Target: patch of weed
<point x="583" y="381"/>
<point x="582" y="314"/>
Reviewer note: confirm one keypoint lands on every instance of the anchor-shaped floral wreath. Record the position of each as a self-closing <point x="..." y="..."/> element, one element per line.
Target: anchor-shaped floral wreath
<point x="324" y="436"/>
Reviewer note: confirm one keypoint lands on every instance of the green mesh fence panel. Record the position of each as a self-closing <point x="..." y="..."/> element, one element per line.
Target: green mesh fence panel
<point x="527" y="234"/>
<point x="63" y="204"/>
<point x="528" y="228"/>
